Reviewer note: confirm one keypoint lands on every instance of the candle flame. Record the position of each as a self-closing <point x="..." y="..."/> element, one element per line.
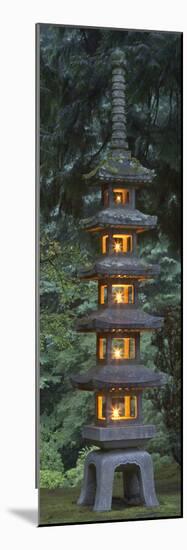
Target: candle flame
<point x="118" y="198"/>
<point x="115" y="413"/>
<point x="117" y="353"/>
<point x="118" y="297"/>
<point x="117" y="246"/>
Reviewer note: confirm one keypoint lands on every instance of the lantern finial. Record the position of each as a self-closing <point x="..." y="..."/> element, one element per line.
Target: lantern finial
<point x="119" y="133"/>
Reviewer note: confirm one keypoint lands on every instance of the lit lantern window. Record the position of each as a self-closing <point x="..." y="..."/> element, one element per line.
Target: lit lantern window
<point x="123" y="348"/>
<point x="122" y="243"/>
<point x="103" y="293"/>
<point x="104" y="241"/>
<point x="121" y="196"/>
<point x="124" y="408"/>
<point x="102" y="348"/>
<point x="121" y="408"/>
<point x="123" y="294"/>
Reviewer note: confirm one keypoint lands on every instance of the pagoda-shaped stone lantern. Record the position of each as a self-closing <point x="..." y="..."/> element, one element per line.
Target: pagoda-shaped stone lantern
<point x="119" y="377"/>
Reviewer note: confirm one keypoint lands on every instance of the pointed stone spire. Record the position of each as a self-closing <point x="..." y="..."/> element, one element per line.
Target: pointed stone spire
<point x="119" y="132"/>
<point x="119" y="165"/>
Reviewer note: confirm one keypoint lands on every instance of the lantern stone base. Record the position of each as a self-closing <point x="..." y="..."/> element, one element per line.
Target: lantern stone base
<point x="138" y="479"/>
<point x="119" y="437"/>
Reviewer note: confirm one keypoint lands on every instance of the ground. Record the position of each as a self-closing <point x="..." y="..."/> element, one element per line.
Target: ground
<point x="60" y="505"/>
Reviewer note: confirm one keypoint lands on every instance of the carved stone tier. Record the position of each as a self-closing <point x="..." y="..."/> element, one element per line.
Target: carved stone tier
<point x="129" y="376"/>
<point x="120" y="217"/>
<point x="119" y="437"/>
<point x="124" y="318"/>
<point x="123" y="266"/>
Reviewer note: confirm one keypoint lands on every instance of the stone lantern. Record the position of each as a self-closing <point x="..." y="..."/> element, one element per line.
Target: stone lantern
<point x="119" y="378"/>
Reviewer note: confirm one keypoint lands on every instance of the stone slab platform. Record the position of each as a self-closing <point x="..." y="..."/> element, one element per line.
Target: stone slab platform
<point x="119" y="437"/>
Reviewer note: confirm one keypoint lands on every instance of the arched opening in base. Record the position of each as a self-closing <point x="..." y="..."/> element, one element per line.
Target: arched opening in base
<point x="127" y="489"/>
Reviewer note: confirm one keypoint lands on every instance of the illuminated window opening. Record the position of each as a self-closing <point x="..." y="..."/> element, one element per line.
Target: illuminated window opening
<point x="121" y="196"/>
<point x="103" y="294"/>
<point x="124" y="408"/>
<point x="123" y="348"/>
<point x="104" y="241"/>
<point x="122" y="243"/>
<point x="102" y="348"/>
<point x="123" y="294"/>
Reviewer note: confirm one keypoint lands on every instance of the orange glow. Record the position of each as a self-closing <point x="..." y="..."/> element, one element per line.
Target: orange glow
<point x="121" y="196"/>
<point x="117" y="247"/>
<point x="123" y="348"/>
<point x="102" y="294"/>
<point x="119" y="297"/>
<point x="104" y="243"/>
<point x="123" y="294"/>
<point x="100" y="408"/>
<point x="122" y="411"/>
<point x="128" y="406"/>
<point x="117" y="353"/>
<point x="115" y="413"/>
<point x="126" y="293"/>
<point x="126" y="348"/>
<point x="122" y="408"/>
<point x="102" y="348"/>
<point x="118" y="198"/>
<point x="123" y="243"/>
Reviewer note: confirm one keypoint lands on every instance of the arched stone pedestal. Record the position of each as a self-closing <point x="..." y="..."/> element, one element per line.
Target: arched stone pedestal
<point x="138" y="478"/>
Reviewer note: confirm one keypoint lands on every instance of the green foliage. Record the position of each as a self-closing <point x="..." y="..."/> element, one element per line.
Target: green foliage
<point x="74" y="476"/>
<point x="159" y="461"/>
<point x="168" y="360"/>
<point x="50" y="458"/>
<point x="159" y="446"/>
<point x="51" y="479"/>
<point x="63" y="351"/>
<point x="162" y="351"/>
<point x="165" y="290"/>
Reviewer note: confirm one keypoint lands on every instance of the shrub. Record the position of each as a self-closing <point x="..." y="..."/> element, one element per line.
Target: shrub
<point x="50" y="458"/>
<point x="51" y="479"/>
<point x="74" y="476"/>
<point x="159" y="460"/>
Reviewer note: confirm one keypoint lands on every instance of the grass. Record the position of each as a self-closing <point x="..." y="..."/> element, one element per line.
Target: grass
<point x="60" y="505"/>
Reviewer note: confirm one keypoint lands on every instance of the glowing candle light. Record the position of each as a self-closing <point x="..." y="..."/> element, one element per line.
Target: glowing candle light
<point x="115" y="413"/>
<point x="117" y="246"/>
<point x="116" y="353"/>
<point x="118" y="198"/>
<point x="118" y="297"/>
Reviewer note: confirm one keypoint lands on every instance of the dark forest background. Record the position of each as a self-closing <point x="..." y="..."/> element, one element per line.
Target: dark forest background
<point x="75" y="126"/>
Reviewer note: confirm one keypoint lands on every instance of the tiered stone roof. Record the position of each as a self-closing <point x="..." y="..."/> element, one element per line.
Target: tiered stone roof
<point x="119" y="317"/>
<point x="129" y="376"/>
<point x="130" y="218"/>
